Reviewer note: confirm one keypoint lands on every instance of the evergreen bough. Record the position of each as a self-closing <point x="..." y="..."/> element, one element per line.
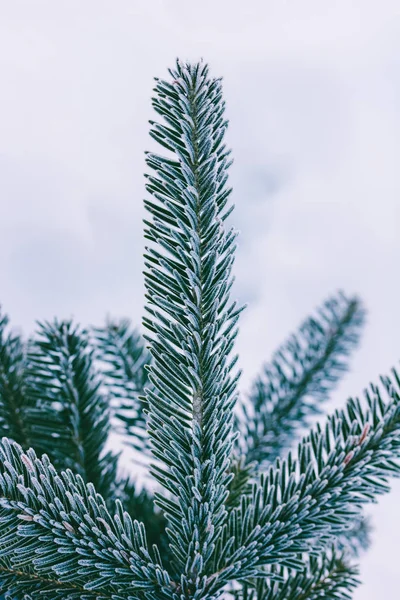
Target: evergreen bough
<point x="236" y="510"/>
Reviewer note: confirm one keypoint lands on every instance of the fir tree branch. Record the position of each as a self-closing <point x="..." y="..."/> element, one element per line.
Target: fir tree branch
<point x="299" y="378"/>
<point x="12" y="388"/>
<point x="329" y="576"/>
<point x="124" y="358"/>
<point x="68" y="416"/>
<point x="140" y="506"/>
<point x="57" y="528"/>
<point x="242" y="474"/>
<point x="191" y="322"/>
<point x="58" y="536"/>
<point x="25" y="584"/>
<point x="338" y="469"/>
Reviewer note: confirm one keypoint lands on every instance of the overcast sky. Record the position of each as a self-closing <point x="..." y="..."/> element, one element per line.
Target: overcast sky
<point x="313" y="97"/>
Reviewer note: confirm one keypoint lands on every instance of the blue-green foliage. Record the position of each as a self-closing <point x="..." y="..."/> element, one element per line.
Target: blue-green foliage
<point x="237" y="511"/>
<point x="327" y="576"/>
<point x="293" y="387"/>
<point x="123" y="358"/>
<point x="12" y="383"/>
<point x="66" y="412"/>
<point x="59" y="539"/>
<point x="192" y="322"/>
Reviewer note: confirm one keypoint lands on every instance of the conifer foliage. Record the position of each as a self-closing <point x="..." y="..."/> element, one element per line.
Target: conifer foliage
<point x="237" y="509"/>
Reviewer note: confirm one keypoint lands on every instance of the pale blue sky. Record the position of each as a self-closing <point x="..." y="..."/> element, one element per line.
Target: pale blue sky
<point x="313" y="96"/>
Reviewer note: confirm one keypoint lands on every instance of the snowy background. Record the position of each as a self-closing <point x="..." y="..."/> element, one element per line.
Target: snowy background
<point x="313" y="96"/>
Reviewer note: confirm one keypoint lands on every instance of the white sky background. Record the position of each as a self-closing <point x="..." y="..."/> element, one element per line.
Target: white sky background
<point x="313" y="97"/>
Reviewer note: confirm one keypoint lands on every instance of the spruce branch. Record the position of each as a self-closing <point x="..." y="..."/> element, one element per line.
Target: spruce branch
<point x="60" y="538"/>
<point x="242" y="474"/>
<point x="56" y="530"/>
<point x="25" y="584"/>
<point x="123" y="358"/>
<point x="140" y="505"/>
<point x="339" y="467"/>
<point x="12" y="385"/>
<point x="329" y="576"/>
<point x="299" y="379"/>
<point x="68" y="416"/>
<point x="191" y="321"/>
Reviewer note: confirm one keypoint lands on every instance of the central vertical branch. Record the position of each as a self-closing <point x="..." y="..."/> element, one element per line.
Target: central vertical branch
<point x="198" y="408"/>
<point x="191" y="322"/>
<point x="198" y="398"/>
